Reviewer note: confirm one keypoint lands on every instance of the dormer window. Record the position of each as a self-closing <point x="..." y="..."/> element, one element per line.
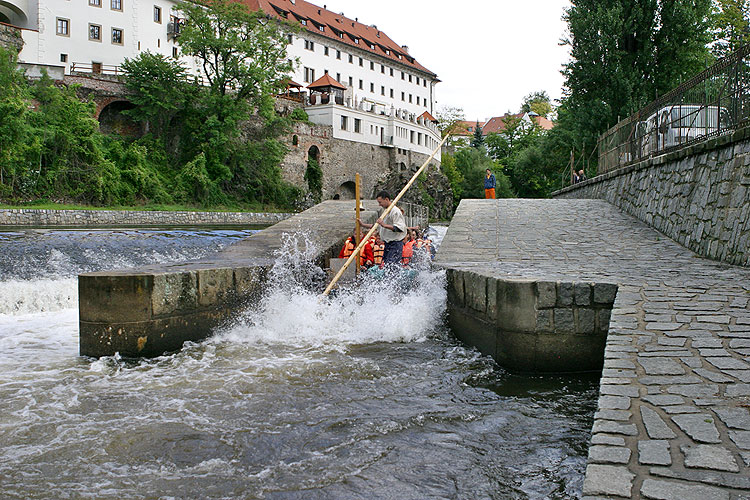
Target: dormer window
<point x="387" y="52"/>
<point x="322" y="28"/>
<point x="341" y="35"/>
<point x="372" y="46"/>
<point x="304" y="22"/>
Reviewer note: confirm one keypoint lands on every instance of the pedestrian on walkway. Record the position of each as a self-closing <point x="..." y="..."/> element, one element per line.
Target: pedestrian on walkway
<point x="392" y="230"/>
<point x="489" y="185"/>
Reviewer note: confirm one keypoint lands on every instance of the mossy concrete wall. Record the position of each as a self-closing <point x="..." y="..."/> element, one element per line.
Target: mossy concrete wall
<point x="153" y="310"/>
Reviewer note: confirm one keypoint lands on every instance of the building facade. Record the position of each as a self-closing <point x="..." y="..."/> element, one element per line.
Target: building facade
<point x="387" y="92"/>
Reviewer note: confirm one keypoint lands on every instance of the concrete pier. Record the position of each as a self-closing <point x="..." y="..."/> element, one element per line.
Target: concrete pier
<point x="673" y="418"/>
<point x="155" y="309"/>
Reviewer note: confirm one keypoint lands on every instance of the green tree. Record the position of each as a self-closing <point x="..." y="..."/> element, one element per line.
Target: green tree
<point x="159" y="89"/>
<point x="731" y="26"/>
<point x="477" y="141"/>
<point x="472" y="163"/>
<point x="449" y="118"/>
<point x="14" y="129"/>
<point x="537" y="102"/>
<point x="240" y="51"/>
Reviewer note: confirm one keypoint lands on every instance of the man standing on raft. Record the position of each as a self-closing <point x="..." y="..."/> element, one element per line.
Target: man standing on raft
<point x="392" y="230"/>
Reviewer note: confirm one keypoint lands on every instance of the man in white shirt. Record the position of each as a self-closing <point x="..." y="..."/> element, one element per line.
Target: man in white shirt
<point x="392" y="230"/>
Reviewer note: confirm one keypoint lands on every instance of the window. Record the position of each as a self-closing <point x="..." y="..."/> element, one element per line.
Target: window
<point x="403" y="96"/>
<point x="409" y="78"/>
<point x="63" y="57"/>
<point x="322" y="28"/>
<point x="309" y="75"/>
<point x="402" y="75"/>
<point x="391" y="93"/>
<point x="351" y="59"/>
<point x="424" y="83"/>
<point x="63" y="26"/>
<point x="290" y="40"/>
<point x="157" y="14"/>
<point x="372" y="87"/>
<point x="325" y="51"/>
<point x="344" y="122"/>
<point x="382" y="90"/>
<point x="116" y="4"/>
<point x="338" y="54"/>
<point x="372" y="66"/>
<point x="382" y="68"/>
<point x="304" y="22"/>
<point x="358" y="125"/>
<point x="351" y="81"/>
<point x="117" y="36"/>
<point x="95" y="32"/>
<point x="391" y="71"/>
<point x="361" y="61"/>
<point x="361" y="85"/>
<point x="95" y="3"/>
<point x="310" y="45"/>
<point x="417" y="80"/>
<point x="338" y="77"/>
<point x="409" y="98"/>
<point x="411" y="136"/>
<point x="174" y="52"/>
<point x="356" y="40"/>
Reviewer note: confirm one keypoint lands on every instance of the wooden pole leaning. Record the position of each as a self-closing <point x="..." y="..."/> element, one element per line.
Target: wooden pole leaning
<point x="357" y="228"/>
<point x="383" y="215"/>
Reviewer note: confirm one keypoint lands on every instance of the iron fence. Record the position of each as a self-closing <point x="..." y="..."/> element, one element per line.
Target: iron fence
<point x="713" y="103"/>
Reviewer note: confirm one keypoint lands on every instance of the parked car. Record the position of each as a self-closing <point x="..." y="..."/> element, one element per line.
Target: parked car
<point x="679" y="124"/>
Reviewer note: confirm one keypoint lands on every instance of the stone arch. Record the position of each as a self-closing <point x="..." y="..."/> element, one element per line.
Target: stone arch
<point x="402" y="167"/>
<point x="313" y="153"/>
<point x="111" y="119"/>
<point x="345" y="191"/>
<point x="15" y="14"/>
<point x="4" y="19"/>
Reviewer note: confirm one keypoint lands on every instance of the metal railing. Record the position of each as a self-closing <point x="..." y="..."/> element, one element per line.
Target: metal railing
<point x="713" y="103"/>
<point x="96" y="69"/>
<point x="415" y="215"/>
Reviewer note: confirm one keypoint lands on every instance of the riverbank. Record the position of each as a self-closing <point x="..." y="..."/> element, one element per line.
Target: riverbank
<point x="91" y="217"/>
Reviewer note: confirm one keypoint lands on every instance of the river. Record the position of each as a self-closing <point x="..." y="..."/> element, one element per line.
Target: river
<point x="365" y="396"/>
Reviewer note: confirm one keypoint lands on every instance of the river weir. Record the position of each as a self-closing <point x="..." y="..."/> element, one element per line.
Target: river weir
<point x="365" y="395"/>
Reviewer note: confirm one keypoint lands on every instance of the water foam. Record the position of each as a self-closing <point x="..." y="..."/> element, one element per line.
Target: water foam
<point x="41" y="295"/>
<point x="292" y="312"/>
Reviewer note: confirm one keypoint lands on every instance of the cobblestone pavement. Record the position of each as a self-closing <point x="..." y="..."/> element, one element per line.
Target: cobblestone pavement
<point x="673" y="419"/>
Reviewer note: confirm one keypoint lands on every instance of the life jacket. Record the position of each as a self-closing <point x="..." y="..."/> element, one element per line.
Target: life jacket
<point x="348" y="249"/>
<point x="378" y="251"/>
<point x="407" y="252"/>
<point x="423" y="245"/>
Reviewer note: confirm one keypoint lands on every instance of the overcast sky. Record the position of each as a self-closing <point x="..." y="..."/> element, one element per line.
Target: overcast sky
<point x="489" y="54"/>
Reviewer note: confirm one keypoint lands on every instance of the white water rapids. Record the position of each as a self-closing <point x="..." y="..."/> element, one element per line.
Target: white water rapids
<point x="365" y="395"/>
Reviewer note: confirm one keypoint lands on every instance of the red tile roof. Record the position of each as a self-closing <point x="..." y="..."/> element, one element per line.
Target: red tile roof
<point x="326" y="81"/>
<point x="427" y="116"/>
<point x="337" y="27"/>
<point x="497" y="124"/>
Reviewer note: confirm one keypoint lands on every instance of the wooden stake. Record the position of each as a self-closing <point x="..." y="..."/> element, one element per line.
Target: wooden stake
<point x="357" y="228"/>
<point x="382" y="216"/>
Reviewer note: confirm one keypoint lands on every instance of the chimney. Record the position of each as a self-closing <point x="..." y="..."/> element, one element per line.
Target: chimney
<point x="406" y="48"/>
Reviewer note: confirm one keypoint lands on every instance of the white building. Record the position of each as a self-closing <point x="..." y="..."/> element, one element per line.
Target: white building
<point x="384" y="83"/>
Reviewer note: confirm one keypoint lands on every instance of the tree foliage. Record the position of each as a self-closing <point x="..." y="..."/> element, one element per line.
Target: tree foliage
<point x="477" y="141"/>
<point x="537" y="102"/>
<point x="731" y="26"/>
<point x="466" y="171"/>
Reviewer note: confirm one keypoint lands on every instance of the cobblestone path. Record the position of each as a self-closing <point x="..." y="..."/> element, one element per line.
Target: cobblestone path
<point x="673" y="419"/>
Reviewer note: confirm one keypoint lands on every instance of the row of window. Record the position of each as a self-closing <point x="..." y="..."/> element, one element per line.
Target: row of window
<point x="421" y="101"/>
<point x="310" y="45"/>
<point x="114" y="4"/>
<point x="95" y="31"/>
<point x="117" y="5"/>
<point x="414" y="137"/>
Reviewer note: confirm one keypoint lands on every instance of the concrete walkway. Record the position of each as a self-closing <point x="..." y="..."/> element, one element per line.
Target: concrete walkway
<point x="673" y="419"/>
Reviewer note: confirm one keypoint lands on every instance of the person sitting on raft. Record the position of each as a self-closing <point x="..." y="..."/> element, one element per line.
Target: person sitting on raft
<point x="392" y="230"/>
<point x="409" y="243"/>
<point x="366" y="256"/>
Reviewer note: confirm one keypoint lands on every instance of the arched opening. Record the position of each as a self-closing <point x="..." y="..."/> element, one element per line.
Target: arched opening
<point x="402" y="167"/>
<point x="4" y="19"/>
<point x="295" y="140"/>
<point x="345" y="191"/>
<point x="13" y="14"/>
<point x="313" y="153"/>
<point x="113" y="121"/>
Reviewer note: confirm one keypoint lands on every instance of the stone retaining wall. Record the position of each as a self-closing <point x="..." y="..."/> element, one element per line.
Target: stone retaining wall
<point x="529" y="325"/>
<point x="699" y="196"/>
<point x="39" y="217"/>
<point x="10" y="37"/>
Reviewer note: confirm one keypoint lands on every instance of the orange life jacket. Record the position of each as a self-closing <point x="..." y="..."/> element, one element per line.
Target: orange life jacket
<point x="348" y="249"/>
<point x="378" y="251"/>
<point x="407" y="252"/>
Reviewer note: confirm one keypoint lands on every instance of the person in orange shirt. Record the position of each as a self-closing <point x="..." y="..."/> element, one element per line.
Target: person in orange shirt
<point x="408" y="251"/>
<point x="366" y="255"/>
<point x="348" y="248"/>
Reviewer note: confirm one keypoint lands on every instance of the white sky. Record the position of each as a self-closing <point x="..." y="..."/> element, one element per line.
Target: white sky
<point x="489" y="54"/>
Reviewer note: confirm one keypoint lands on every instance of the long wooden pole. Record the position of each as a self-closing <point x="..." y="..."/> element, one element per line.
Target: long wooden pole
<point x="382" y="216"/>
<point x="357" y="228"/>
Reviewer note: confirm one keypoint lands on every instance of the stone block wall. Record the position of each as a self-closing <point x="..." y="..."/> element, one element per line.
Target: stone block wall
<point x="10" y="37"/>
<point x="699" y="196"/>
<point x="530" y="325"/>
<point x="40" y="217"/>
